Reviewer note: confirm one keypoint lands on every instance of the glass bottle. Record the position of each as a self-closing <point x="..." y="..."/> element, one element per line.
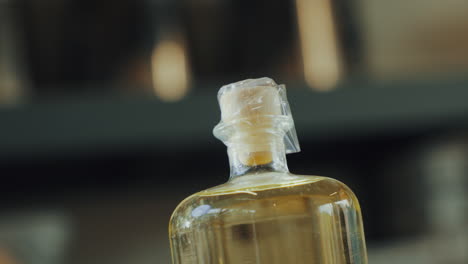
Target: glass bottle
<point x="265" y="214"/>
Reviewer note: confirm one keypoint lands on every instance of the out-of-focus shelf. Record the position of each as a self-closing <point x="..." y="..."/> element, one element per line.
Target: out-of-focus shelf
<point x="113" y="123"/>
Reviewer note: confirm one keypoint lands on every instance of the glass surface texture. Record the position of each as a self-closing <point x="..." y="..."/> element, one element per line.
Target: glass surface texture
<point x="269" y="217"/>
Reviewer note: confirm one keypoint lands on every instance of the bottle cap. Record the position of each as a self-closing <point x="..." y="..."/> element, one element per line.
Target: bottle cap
<point x="254" y="111"/>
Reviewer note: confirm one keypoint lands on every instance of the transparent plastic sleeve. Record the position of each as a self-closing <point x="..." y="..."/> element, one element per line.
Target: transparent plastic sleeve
<point x="254" y="105"/>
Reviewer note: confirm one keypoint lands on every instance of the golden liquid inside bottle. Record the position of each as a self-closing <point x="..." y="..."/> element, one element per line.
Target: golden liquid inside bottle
<point x="274" y="218"/>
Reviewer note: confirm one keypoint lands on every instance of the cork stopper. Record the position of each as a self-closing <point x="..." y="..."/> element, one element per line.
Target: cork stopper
<point x="249" y="101"/>
<point x="255" y="115"/>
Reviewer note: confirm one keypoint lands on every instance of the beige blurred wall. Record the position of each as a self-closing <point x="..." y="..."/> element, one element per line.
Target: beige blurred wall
<point x="419" y="36"/>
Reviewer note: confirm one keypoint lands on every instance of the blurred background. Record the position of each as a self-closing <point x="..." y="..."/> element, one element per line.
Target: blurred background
<point x="106" y="112"/>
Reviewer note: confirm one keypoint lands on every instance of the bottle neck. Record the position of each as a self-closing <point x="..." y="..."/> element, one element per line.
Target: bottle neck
<point x="265" y="154"/>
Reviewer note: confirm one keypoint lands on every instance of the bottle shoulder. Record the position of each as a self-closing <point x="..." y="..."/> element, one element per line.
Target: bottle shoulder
<point x="246" y="190"/>
<point x="256" y="183"/>
<point x="252" y="184"/>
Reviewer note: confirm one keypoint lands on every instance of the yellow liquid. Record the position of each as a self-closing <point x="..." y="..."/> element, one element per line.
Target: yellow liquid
<point x="270" y="218"/>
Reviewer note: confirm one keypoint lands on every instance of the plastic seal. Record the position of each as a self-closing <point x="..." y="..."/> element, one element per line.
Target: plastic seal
<point x="254" y="108"/>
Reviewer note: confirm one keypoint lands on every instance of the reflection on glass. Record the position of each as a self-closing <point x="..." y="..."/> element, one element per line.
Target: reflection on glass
<point x="322" y="225"/>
